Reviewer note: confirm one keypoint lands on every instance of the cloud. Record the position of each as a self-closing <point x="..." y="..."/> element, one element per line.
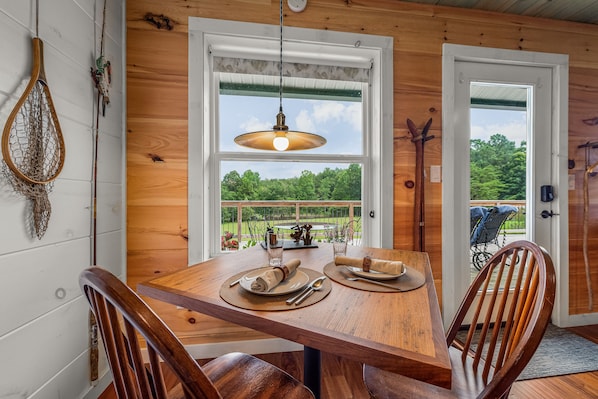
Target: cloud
<point x="338" y="112"/>
<point x="513" y="131"/>
<point x="304" y="122"/>
<point x="253" y="124"/>
<point x="511" y="124"/>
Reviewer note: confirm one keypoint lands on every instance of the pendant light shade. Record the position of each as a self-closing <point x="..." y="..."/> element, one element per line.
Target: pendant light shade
<point x="280" y="138"/>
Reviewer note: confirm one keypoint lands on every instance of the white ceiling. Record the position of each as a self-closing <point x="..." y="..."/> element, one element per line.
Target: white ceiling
<point x="585" y="11"/>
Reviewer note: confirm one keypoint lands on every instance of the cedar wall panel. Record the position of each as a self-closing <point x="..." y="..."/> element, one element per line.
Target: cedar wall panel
<point x="157" y="117"/>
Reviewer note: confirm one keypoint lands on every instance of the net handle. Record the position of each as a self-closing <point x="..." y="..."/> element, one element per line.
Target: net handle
<point x="37" y="75"/>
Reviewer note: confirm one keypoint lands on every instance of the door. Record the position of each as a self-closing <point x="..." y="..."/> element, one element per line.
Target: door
<point x="541" y="163"/>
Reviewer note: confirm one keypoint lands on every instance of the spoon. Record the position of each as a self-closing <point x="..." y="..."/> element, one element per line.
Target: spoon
<point x="304" y="290"/>
<point x="373" y="282"/>
<point x="315" y="286"/>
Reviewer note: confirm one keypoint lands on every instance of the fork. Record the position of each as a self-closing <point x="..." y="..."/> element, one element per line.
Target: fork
<point x="373" y="282"/>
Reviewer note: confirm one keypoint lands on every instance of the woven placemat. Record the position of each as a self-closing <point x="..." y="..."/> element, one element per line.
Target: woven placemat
<point x="238" y="296"/>
<point x="411" y="280"/>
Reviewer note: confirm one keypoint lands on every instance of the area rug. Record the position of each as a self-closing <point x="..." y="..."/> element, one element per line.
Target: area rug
<point x="561" y="352"/>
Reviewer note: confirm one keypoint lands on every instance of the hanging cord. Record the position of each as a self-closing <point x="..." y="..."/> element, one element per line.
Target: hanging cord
<point x="586" y="212"/>
<point x="280" y="64"/>
<point x="99" y="77"/>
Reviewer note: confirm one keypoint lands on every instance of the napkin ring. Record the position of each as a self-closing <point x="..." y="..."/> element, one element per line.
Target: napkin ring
<point x="285" y="271"/>
<point x="367" y="262"/>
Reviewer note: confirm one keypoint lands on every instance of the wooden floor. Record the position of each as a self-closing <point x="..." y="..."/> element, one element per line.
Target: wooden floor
<point x="342" y="378"/>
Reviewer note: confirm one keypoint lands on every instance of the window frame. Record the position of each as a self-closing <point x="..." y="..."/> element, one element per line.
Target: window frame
<point x="229" y="38"/>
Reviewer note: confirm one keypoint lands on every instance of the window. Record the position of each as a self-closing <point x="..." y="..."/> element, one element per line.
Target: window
<point x="222" y="93"/>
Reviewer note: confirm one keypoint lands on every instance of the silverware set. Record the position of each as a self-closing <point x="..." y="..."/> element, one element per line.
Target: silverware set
<point x="312" y="287"/>
<point x="373" y="282"/>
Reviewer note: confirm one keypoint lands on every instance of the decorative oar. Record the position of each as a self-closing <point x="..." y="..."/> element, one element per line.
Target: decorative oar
<point x="419" y="222"/>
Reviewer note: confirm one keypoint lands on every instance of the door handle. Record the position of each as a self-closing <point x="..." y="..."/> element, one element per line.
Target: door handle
<point x="548" y="214"/>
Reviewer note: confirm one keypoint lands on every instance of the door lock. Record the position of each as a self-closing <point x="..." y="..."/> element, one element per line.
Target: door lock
<point x="548" y="214"/>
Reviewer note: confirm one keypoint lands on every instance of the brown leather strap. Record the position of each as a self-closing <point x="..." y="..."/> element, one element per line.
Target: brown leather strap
<point x="285" y="271"/>
<point x="367" y="262"/>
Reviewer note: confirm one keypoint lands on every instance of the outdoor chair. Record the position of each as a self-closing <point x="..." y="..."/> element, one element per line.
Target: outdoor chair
<point x="124" y="319"/>
<point x="495" y="332"/>
<point x="487" y="232"/>
<point x="476" y="213"/>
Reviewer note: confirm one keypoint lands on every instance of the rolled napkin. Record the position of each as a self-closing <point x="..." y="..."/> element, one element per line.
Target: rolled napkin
<point x="272" y="277"/>
<point x="367" y="264"/>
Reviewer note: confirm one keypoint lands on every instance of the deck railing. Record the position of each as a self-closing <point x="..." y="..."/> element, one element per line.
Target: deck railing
<point x="243" y="223"/>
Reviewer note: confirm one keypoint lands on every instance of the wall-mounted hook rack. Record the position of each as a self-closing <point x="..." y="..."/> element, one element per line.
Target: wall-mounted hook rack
<point x="588" y="152"/>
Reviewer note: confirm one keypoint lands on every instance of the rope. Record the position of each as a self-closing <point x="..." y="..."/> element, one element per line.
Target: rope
<point x="280" y="63"/>
<point x="37" y="18"/>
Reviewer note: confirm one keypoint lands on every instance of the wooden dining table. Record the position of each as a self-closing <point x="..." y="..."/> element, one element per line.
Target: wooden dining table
<point x="399" y="331"/>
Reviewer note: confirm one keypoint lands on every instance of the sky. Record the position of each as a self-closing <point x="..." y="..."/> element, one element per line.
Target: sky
<point x="487" y="122"/>
<point x="337" y="121"/>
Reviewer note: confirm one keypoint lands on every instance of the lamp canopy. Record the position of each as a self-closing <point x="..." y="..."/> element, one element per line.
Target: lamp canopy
<point x="280" y="138"/>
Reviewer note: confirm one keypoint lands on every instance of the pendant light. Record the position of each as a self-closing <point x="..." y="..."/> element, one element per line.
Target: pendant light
<point x="280" y="138"/>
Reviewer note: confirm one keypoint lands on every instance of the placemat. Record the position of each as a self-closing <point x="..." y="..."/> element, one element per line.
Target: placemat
<point x="411" y="280"/>
<point x="238" y="296"/>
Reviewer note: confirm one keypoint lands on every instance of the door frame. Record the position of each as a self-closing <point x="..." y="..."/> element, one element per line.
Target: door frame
<point x="454" y="219"/>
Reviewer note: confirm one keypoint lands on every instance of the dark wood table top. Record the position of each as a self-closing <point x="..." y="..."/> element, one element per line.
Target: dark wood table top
<point x="396" y="331"/>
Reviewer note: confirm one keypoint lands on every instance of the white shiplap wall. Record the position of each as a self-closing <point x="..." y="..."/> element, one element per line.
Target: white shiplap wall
<point x="43" y="334"/>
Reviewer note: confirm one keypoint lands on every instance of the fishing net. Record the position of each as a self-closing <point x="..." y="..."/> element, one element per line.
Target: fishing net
<point x="32" y="147"/>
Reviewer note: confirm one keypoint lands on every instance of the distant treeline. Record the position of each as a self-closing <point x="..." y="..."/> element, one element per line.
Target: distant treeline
<point x="330" y="184"/>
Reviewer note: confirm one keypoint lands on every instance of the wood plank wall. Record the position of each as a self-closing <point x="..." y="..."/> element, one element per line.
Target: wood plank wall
<point x="157" y="114"/>
<point x="44" y="340"/>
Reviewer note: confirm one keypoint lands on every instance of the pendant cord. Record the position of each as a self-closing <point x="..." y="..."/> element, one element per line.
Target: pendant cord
<point x="37" y="18"/>
<point x="280" y="64"/>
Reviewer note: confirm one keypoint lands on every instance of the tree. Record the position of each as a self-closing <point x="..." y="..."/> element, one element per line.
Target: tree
<point x="305" y="187"/>
<point x="230" y="186"/>
<point x="497" y="169"/>
<point x="348" y="185"/>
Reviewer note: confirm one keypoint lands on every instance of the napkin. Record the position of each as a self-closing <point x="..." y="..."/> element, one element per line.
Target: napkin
<point x="367" y="264"/>
<point x="272" y="277"/>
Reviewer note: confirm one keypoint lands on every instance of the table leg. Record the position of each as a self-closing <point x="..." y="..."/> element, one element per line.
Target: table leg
<point x="312" y="369"/>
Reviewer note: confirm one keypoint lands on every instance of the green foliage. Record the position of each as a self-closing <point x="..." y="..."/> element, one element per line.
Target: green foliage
<point x="330" y="184"/>
<point x="498" y="169"/>
<point x="337" y="184"/>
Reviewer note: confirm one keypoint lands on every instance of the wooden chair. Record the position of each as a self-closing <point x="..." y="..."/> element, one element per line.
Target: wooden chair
<point x="494" y="333"/>
<point x="124" y="318"/>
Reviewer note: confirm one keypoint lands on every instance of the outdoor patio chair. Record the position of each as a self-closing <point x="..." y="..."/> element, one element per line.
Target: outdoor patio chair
<point x="125" y="322"/>
<point x="508" y="307"/>
<point x="487" y="232"/>
<point x="476" y="213"/>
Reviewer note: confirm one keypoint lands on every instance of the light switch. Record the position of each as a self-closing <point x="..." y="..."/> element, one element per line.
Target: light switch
<point x="435" y="174"/>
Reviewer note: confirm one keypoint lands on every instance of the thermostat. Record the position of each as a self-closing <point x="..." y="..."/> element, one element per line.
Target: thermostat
<point x="297" y="5"/>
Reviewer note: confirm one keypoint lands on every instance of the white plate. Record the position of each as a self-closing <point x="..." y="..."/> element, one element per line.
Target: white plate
<point x="374" y="275"/>
<point x="294" y="283"/>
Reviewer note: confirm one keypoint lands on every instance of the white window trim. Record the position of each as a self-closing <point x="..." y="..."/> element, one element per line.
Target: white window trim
<point x="356" y="49"/>
<point x="451" y="167"/>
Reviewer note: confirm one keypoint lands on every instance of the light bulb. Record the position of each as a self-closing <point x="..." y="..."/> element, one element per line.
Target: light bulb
<point x="280" y="143"/>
